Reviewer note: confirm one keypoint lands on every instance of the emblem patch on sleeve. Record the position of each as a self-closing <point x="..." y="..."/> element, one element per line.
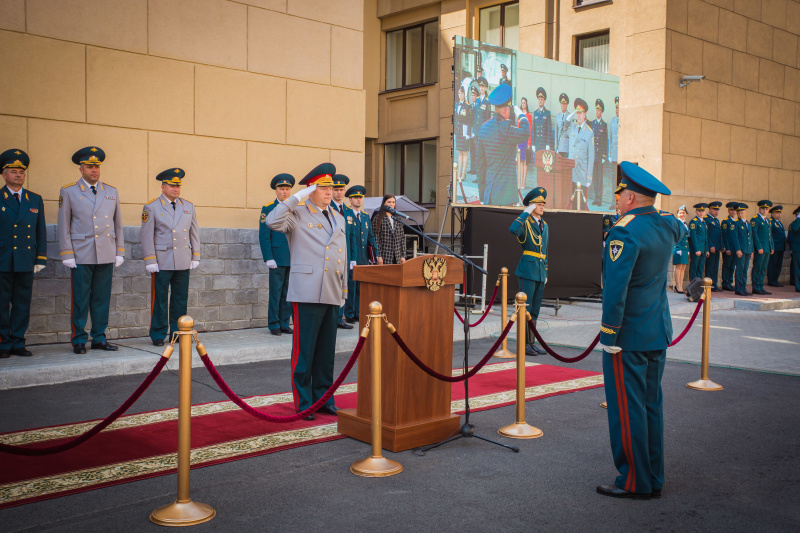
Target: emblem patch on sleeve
<point x="263" y="218"/>
<point x="145" y="216"/>
<point x="60" y="201"/>
<point x="691" y="225"/>
<point x="615" y="249"/>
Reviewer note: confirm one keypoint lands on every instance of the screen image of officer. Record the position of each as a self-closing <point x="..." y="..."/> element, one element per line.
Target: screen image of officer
<point x="340" y="181"/>
<point x="24" y="253"/>
<point x="714" y="238"/>
<point x="92" y="244"/>
<point x="317" y="283"/>
<point x="542" y="124"/>
<point x="613" y="134"/>
<point x="363" y="239"/>
<point x="581" y="149"/>
<point x="763" y="246"/>
<point x="728" y="228"/>
<point x="171" y="247"/>
<point x="779" y="239"/>
<point x="743" y="250"/>
<point x="481" y="113"/>
<point x="275" y="252"/>
<point x="600" y="130"/>
<point x="563" y="124"/>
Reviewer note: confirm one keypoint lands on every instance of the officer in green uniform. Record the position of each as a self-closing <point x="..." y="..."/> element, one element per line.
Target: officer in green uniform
<point x="714" y="244"/>
<point x="635" y="332"/>
<point x="340" y="181"/>
<point x="534" y="235"/>
<point x="275" y="252"/>
<point x="793" y="239"/>
<point x="363" y="239"/>
<point x="698" y="242"/>
<point x="23" y="251"/>
<point x="763" y="246"/>
<point x="608" y="223"/>
<point x="743" y="250"/>
<point x="779" y="239"/>
<point x="728" y="228"/>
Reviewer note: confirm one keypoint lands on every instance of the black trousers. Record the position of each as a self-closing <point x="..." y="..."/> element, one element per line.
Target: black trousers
<point x="774" y="267"/>
<point x="15" y="308"/>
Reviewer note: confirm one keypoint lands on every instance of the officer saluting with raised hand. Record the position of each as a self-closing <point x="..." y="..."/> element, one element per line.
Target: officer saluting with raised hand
<point x="635" y="331"/>
<point x="24" y="253"/>
<point x="92" y="244"/>
<point x="275" y="252"/>
<point x="171" y="247"/>
<point x="362" y="239"/>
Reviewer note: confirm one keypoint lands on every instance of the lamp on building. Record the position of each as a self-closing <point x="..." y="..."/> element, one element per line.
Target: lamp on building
<point x="686" y="80"/>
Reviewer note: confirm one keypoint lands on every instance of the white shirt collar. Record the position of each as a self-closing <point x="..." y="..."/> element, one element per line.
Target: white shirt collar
<point x="96" y="185"/>
<point x="16" y="192"/>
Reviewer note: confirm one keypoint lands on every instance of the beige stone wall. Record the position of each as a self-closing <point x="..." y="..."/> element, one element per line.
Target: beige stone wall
<point x="234" y="92"/>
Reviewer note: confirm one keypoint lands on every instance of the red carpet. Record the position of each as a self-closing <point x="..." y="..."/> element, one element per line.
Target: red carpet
<point x="144" y="445"/>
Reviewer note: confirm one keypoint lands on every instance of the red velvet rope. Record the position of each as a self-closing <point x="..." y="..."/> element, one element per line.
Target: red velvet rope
<point x="20" y="450"/>
<point x="485" y="313"/>
<point x="282" y="419"/>
<point x="689" y="325"/>
<point x="451" y="379"/>
<point x="559" y="357"/>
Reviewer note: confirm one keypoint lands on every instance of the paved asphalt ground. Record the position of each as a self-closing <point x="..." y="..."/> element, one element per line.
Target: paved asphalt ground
<point x="732" y="463"/>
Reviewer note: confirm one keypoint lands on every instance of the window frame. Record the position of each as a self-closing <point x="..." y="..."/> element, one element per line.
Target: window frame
<point x="592" y="35"/>
<point x="405" y="30"/>
<point x="403" y="145"/>
<point x="502" y="6"/>
<point x="578" y="4"/>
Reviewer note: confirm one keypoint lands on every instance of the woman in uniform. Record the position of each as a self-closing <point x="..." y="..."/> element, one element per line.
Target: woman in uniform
<point x="680" y="253"/>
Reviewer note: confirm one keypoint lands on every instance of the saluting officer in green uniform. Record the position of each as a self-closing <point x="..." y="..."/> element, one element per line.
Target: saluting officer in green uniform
<point x="779" y="239"/>
<point x="23" y="251"/>
<point x="793" y="239"/>
<point x="171" y="247"/>
<point x="728" y="228"/>
<point x="363" y="239"/>
<point x="340" y="181"/>
<point x="744" y="249"/>
<point x="534" y="235"/>
<point x="714" y="244"/>
<point x="275" y="252"/>
<point x="763" y="246"/>
<point x="92" y="244"/>
<point x="635" y="332"/>
<point x="698" y="242"/>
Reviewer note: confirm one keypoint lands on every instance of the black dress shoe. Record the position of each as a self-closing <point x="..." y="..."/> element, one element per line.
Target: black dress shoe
<point x="79" y="348"/>
<point x="328" y="409"/>
<point x="158" y="342"/>
<point x="287" y="330"/>
<point x="744" y="293"/>
<point x="352" y="320"/>
<point x="765" y="293"/>
<point x="5" y="353"/>
<point x="729" y="289"/>
<point x="656" y="493"/>
<point x="309" y="417"/>
<point x="343" y="325"/>
<point x="774" y="284"/>
<point x="714" y="289"/>
<point x="530" y="351"/>
<point x="22" y="352"/>
<point x="275" y="332"/>
<point x="616" y="492"/>
<point x="104" y="346"/>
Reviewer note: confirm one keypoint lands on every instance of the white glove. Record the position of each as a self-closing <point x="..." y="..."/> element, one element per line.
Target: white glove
<point x="119" y="260"/>
<point x="530" y="208"/>
<point x="70" y="263"/>
<point x="352" y="264"/>
<point x="302" y="194"/>
<point x="152" y="268"/>
<point x="271" y="264"/>
<point x="545" y="280"/>
<point x="194" y="264"/>
<point x="38" y="268"/>
<point x="611" y="349"/>
<point x="679" y="252"/>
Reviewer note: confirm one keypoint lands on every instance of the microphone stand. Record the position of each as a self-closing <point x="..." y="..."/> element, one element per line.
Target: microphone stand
<point x="466" y="430"/>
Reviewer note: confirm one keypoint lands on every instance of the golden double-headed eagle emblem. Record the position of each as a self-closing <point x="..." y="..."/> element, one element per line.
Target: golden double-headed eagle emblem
<point x="548" y="158"/>
<point x="434" y="269"/>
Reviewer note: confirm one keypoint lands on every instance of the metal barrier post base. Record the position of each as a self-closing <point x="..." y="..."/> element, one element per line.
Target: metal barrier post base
<point x="704" y="384"/>
<point x="186" y="513"/>
<point x="505" y="354"/>
<point x="520" y="431"/>
<point x="376" y="467"/>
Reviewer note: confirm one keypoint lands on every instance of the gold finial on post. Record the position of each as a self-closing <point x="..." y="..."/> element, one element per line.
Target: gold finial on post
<point x="520" y="429"/>
<point x="704" y="383"/>
<point x="504" y="352"/>
<point x="376" y="465"/>
<point x="183" y="511"/>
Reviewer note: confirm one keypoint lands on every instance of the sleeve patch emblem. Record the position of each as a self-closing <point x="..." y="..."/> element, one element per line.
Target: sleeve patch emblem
<point x="60" y="201"/>
<point x="263" y="218"/>
<point x="615" y="249"/>
<point x="691" y="225"/>
<point x="145" y="216"/>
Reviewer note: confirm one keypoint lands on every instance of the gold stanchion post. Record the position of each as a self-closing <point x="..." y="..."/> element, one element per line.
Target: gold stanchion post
<point x="183" y="511"/>
<point x="520" y="429"/>
<point x="376" y="465"/>
<point x="504" y="352"/>
<point x="704" y="383"/>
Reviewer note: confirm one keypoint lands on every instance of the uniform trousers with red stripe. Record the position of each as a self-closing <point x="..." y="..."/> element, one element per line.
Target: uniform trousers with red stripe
<point x="636" y="417"/>
<point x="313" y="352"/>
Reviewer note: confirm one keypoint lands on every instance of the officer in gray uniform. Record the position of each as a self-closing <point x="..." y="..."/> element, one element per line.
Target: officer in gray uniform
<point x="92" y="244"/>
<point x="581" y="150"/>
<point x="171" y="247"/>
<point x="563" y="123"/>
<point x="317" y="283"/>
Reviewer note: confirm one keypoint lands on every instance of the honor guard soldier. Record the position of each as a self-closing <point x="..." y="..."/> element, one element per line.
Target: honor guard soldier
<point x="728" y="231"/>
<point x="763" y="246"/>
<point x="23" y="251"/>
<point x="275" y="252"/>
<point x="317" y="283"/>
<point x="363" y="239"/>
<point x="92" y="244"/>
<point x="698" y="242"/>
<point x="744" y="249"/>
<point x="171" y="247"/>
<point x="714" y="244"/>
<point x="340" y="181"/>
<point x="613" y="133"/>
<point x="635" y="332"/>
<point x="563" y="123"/>
<point x="600" y="129"/>
<point x="534" y="235"/>
<point x="581" y="150"/>
<point x="542" y="124"/>
<point x="793" y="239"/>
<point x="779" y="239"/>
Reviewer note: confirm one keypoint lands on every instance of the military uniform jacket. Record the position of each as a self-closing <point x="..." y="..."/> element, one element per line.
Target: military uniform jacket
<point x="778" y="234"/>
<point x="542" y="129"/>
<point x="793" y="238"/>
<point x="727" y="228"/>
<point x="274" y="244"/>
<point x="533" y="263"/>
<point x="600" y="129"/>
<point x="23" y="234"/>
<point x="363" y="238"/>
<point x="613" y="139"/>
<point x="497" y="156"/>
<point x="635" y="263"/>
<point x="561" y="134"/>
<point x="698" y="241"/>
<point x="90" y="226"/>
<point x="608" y="222"/>
<point x="581" y="150"/>
<point x="714" y="235"/>
<point x="762" y="234"/>
<point x="744" y="237"/>
<point x="481" y="112"/>
<point x="170" y="237"/>
<point x="349" y="227"/>
<point x="319" y="253"/>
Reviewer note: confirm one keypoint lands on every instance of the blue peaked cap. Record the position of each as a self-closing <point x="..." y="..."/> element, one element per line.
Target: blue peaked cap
<point x="637" y="179"/>
<point x="501" y="95"/>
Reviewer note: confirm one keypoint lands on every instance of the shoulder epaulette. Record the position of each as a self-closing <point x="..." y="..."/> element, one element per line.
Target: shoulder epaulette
<point x="69" y="185"/>
<point x="666" y="214"/>
<point x="624" y="221"/>
<point x="187" y="201"/>
<point x="151" y="201"/>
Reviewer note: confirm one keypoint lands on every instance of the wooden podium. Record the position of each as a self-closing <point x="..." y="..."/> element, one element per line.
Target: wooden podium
<point x="555" y="175"/>
<point x="416" y="406"/>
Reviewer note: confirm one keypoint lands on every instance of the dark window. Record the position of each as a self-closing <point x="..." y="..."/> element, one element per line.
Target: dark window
<point x="499" y="25"/>
<point x="412" y="56"/>
<point x="591" y="51"/>
<point x="410" y="170"/>
<point x="583" y="3"/>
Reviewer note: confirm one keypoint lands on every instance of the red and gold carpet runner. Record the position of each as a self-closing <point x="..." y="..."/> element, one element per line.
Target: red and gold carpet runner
<point x="144" y="445"/>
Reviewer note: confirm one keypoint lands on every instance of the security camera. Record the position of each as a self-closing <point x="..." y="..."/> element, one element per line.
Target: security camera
<point x="686" y="80"/>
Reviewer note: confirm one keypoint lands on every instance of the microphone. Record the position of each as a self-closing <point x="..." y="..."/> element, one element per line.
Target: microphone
<point x="397" y="213"/>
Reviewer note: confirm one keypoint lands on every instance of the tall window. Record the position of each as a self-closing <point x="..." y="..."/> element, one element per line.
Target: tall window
<point x="410" y="170"/>
<point x="591" y="51"/>
<point x="500" y="25"/>
<point x="412" y="56"/>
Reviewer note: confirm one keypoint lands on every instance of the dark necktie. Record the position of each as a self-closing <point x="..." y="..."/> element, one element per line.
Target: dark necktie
<point x="341" y="209"/>
<point x="94" y="190"/>
<point x="541" y="226"/>
<point x="16" y="197"/>
<point x="327" y="217"/>
<point x="173" y="205"/>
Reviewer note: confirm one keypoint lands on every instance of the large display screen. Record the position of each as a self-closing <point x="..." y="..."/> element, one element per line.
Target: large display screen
<point x="561" y="131"/>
